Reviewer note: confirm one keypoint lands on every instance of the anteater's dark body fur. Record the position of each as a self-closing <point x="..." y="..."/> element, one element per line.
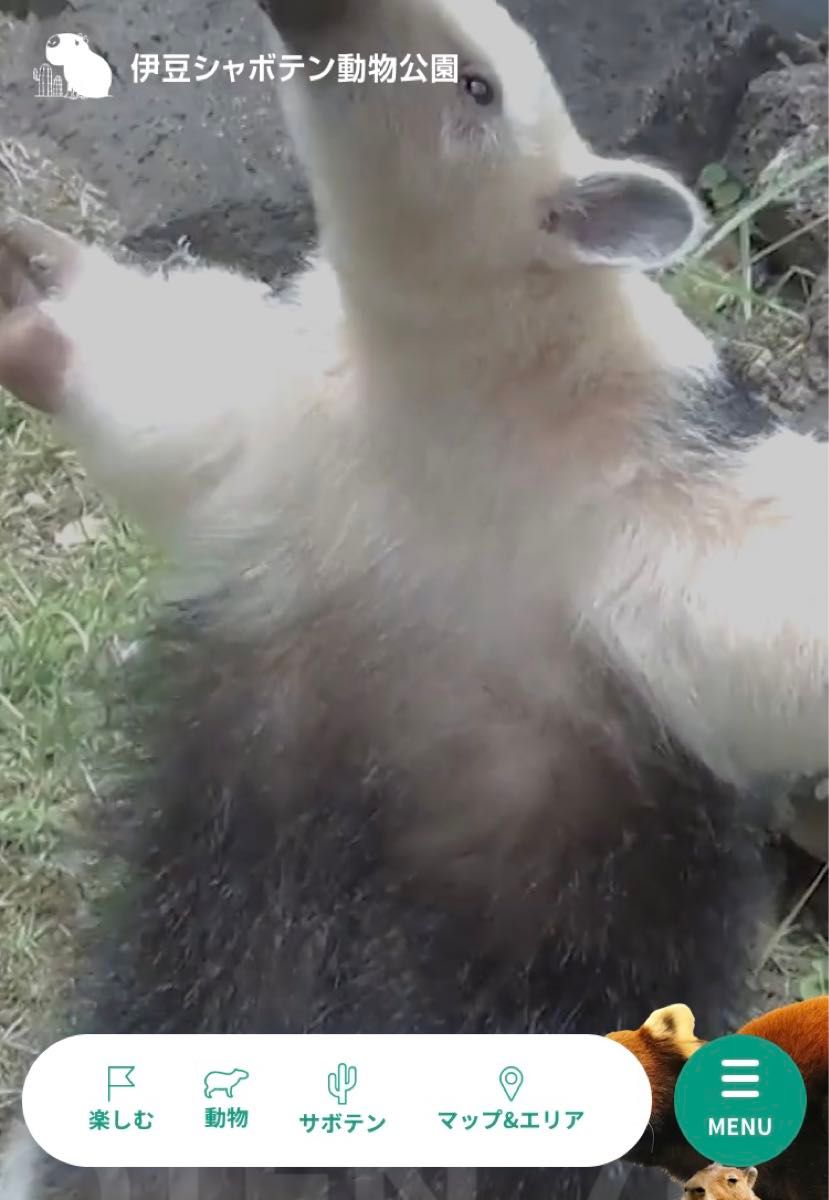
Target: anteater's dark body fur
<point x="262" y="897"/>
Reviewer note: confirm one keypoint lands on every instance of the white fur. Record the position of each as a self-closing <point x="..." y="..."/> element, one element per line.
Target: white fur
<point x="716" y="602"/>
<point x="462" y="396"/>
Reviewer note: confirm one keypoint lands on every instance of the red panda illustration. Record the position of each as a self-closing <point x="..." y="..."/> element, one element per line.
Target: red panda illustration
<point x="667" y="1040"/>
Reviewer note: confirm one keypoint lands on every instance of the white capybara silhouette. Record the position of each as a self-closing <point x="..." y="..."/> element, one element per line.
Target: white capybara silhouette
<point x="87" y="73"/>
<point x="223" y="1081"/>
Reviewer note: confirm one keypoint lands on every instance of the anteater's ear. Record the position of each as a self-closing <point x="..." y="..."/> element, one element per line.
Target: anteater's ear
<point x="751" y="1175"/>
<point x="626" y="214"/>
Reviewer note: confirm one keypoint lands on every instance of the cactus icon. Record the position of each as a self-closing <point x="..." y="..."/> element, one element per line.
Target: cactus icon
<point x="341" y="1082"/>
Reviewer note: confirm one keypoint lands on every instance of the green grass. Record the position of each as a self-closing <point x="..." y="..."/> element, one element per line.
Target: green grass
<point x="713" y="294"/>
<point x="61" y="609"/>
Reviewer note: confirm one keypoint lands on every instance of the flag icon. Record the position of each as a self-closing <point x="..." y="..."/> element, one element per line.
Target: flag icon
<point x="119" y="1077"/>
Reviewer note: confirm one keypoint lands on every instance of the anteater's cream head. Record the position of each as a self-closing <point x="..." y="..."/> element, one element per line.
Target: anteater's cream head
<point x="483" y="175"/>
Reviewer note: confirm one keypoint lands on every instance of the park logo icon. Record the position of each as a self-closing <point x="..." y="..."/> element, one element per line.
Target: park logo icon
<point x="72" y="70"/>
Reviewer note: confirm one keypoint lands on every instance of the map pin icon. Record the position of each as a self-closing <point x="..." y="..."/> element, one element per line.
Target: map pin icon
<point x="512" y="1080"/>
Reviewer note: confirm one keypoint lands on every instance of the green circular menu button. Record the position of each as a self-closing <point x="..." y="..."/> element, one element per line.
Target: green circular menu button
<point x="740" y="1100"/>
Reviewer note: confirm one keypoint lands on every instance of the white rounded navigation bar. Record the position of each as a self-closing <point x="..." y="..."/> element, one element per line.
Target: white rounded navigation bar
<point x="327" y="1101"/>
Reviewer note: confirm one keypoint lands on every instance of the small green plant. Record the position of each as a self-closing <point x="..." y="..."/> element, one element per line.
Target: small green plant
<point x="709" y="285"/>
<point x="719" y="187"/>
<point x="816" y="981"/>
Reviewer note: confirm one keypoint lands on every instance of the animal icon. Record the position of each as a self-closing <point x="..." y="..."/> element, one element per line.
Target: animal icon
<point x="224" y="1081"/>
<point x="88" y="75"/>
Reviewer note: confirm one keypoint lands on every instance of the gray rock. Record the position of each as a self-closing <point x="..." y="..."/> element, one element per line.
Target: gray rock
<point x="211" y="161"/>
<point x="815" y="416"/>
<point x="818" y="312"/>
<point x="782" y="355"/>
<point x="782" y="126"/>
<point x="806" y="17"/>
<point x="39" y="8"/>
<point x="205" y="160"/>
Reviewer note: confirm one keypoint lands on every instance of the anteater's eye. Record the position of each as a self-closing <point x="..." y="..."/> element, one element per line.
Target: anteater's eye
<point x="480" y="89"/>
